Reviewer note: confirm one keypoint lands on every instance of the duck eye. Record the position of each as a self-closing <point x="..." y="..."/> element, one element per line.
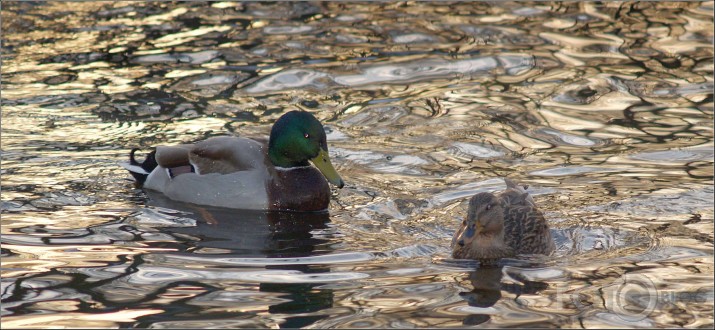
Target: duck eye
<point x="489" y="206"/>
<point x="464" y="222"/>
<point x="306" y="135"/>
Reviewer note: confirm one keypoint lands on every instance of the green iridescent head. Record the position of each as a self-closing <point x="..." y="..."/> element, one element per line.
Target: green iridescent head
<point x="298" y="137"/>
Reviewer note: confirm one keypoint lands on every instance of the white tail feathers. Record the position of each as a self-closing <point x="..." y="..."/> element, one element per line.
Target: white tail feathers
<point x="133" y="168"/>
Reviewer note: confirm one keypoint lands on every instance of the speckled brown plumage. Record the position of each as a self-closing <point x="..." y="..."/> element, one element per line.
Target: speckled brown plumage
<point x="502" y="225"/>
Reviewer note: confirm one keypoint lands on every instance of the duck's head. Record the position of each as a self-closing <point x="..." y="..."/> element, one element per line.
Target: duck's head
<point x="483" y="229"/>
<point x="298" y="137"/>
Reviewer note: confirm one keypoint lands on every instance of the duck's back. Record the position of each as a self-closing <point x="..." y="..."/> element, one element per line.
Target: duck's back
<point x="525" y="228"/>
<point x="222" y="154"/>
<point x="221" y="171"/>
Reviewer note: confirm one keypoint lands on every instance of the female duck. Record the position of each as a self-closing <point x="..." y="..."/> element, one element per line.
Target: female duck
<point x="241" y="173"/>
<point x="502" y="225"/>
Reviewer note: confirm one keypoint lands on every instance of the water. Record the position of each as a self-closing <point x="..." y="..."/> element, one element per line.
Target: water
<point x="604" y="109"/>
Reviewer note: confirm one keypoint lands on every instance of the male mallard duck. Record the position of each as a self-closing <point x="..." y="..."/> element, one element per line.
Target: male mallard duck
<point x="502" y="225"/>
<point x="241" y="173"/>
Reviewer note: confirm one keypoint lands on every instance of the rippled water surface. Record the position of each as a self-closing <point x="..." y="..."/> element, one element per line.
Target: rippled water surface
<point x="604" y="109"/>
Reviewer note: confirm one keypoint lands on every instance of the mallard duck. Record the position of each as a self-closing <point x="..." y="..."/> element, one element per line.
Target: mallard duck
<point x="242" y="173"/>
<point x="502" y="225"/>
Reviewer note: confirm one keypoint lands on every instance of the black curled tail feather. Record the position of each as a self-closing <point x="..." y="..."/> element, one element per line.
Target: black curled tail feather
<point x="132" y="160"/>
<point x="148" y="165"/>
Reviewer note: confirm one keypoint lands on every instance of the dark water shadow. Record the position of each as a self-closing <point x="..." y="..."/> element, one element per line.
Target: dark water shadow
<point x="487" y="290"/>
<point x="260" y="235"/>
<point x="248" y="233"/>
<point x="213" y="256"/>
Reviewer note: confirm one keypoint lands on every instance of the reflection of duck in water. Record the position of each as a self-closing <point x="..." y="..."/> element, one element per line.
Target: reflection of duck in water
<point x="487" y="290"/>
<point x="502" y="225"/>
<point x="275" y="237"/>
<point x="246" y="233"/>
<point x="241" y="173"/>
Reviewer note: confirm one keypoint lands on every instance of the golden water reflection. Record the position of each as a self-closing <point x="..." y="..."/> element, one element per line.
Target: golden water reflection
<point x="604" y="109"/>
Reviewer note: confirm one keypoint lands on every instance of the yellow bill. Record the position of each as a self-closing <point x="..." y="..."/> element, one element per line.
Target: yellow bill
<point x="322" y="162"/>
